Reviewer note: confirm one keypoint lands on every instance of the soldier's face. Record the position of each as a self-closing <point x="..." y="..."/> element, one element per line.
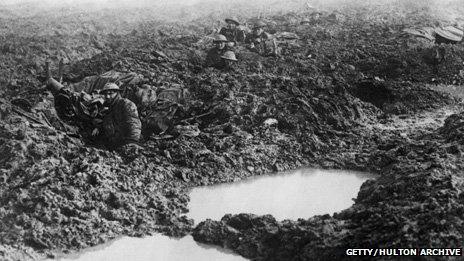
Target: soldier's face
<point x="258" y="31"/>
<point x="220" y="45"/>
<point x="231" y="25"/>
<point x="109" y="96"/>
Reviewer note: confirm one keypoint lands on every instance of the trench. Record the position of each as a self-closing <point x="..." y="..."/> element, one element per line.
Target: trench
<point x="287" y="195"/>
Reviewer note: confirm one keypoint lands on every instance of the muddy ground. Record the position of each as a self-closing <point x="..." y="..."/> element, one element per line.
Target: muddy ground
<point x="352" y="93"/>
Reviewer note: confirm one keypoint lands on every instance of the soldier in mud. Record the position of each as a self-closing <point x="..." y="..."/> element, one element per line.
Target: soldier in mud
<point x="232" y="32"/>
<point x="121" y="124"/>
<point x="257" y="39"/>
<point x="228" y="61"/>
<point x="213" y="57"/>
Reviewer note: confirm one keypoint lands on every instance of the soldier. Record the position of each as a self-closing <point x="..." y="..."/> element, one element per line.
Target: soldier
<point x="256" y="40"/>
<point x="232" y="32"/>
<point x="213" y="58"/>
<point x="228" y="59"/>
<point x="121" y="124"/>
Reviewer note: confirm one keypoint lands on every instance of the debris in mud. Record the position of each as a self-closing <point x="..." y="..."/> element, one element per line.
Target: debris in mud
<point x="446" y="35"/>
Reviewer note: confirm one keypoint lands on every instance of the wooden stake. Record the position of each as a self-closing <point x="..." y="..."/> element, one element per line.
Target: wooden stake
<point x="47" y="69"/>
<point x="60" y="71"/>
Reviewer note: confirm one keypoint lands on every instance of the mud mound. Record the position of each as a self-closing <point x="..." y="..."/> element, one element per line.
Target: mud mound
<point x="453" y="129"/>
<point x="263" y="238"/>
<point x="11" y="253"/>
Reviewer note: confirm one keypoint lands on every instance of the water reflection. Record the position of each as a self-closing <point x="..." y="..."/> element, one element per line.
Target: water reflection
<point x="291" y="195"/>
<point x="154" y="248"/>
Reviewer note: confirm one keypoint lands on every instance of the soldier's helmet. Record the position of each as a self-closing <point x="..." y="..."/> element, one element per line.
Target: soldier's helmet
<point x="229" y="55"/>
<point x="110" y="87"/>
<point x="232" y="20"/>
<point x="259" y="24"/>
<point x="219" y="38"/>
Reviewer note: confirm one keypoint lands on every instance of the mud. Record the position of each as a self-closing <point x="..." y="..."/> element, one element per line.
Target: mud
<point x="340" y="95"/>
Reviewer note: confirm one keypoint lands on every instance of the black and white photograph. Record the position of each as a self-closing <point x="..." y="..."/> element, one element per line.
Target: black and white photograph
<point x="231" y="130"/>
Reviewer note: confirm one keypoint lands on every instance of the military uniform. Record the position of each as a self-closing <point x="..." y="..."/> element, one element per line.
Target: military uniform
<point x="121" y="125"/>
<point x="259" y="42"/>
<point x="213" y="57"/>
<point x="233" y="35"/>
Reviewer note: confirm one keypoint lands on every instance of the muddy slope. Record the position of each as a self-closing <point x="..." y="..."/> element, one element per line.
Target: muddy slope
<point x="59" y="194"/>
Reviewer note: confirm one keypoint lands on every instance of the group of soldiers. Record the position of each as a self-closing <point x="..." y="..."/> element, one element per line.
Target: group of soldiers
<point x="222" y="55"/>
<point x="113" y="119"/>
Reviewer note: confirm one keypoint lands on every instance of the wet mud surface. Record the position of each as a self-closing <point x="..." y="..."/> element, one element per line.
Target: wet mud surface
<point x="337" y="101"/>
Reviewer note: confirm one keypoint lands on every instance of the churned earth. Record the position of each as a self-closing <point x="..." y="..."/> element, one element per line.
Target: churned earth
<point x="352" y="92"/>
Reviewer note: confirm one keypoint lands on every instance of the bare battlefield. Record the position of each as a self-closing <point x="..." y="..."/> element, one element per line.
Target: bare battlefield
<point x="231" y="130"/>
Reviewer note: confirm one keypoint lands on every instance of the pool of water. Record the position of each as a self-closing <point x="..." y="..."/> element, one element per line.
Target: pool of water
<point x="154" y="248"/>
<point x="288" y="195"/>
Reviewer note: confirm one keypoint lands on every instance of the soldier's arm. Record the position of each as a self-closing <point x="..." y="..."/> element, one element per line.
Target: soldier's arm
<point x="132" y="123"/>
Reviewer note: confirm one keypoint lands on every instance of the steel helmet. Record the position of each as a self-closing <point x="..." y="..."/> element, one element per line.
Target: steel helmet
<point x="229" y="55"/>
<point x="453" y="35"/>
<point x="220" y="38"/>
<point x="110" y="87"/>
<point x="259" y="24"/>
<point x="233" y="20"/>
